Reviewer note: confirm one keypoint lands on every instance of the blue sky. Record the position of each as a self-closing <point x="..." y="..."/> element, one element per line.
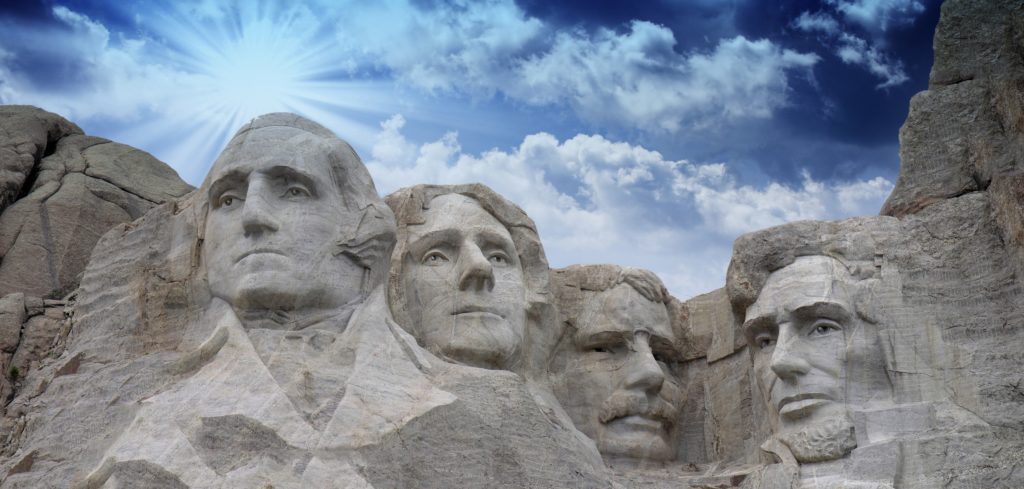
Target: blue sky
<point x="646" y="133"/>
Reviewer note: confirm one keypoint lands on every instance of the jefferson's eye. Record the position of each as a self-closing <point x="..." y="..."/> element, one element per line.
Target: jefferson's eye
<point x="434" y="258"/>
<point x="499" y="259"/>
<point x="824" y="328"/>
<point x="601" y="349"/>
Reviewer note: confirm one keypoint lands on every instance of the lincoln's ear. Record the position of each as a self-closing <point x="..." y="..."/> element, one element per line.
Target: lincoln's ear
<point x="374" y="238"/>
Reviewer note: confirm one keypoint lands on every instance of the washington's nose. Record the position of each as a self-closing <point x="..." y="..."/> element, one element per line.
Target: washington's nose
<point x="257" y="216"/>
<point x="787" y="361"/>
<point x="475" y="272"/>
<point x="644" y="372"/>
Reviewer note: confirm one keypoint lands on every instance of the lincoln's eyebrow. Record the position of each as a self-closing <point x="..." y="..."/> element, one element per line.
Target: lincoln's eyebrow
<point x="823" y="308"/>
<point x="764" y="320"/>
<point x="585" y="338"/>
<point x="295" y="174"/>
<point x="229" y="179"/>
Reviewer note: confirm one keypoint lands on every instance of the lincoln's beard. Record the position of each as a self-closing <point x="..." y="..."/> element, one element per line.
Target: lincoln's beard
<point x="829" y="439"/>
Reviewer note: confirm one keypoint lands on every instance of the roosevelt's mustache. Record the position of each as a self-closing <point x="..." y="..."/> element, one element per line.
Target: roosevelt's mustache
<point x="621" y="405"/>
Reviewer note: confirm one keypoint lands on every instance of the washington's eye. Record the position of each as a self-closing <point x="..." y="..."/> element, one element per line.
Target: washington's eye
<point x="226" y="200"/>
<point x="434" y="258"/>
<point x="823" y="328"/>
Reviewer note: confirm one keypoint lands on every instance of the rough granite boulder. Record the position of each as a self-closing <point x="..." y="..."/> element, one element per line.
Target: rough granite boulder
<point x="61" y="191"/>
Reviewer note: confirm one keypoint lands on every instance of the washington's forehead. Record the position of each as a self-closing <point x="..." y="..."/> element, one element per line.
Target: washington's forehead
<point x="304" y="154"/>
<point x="455" y="211"/>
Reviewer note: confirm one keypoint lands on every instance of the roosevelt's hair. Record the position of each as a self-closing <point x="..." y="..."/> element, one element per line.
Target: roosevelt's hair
<point x="576" y="285"/>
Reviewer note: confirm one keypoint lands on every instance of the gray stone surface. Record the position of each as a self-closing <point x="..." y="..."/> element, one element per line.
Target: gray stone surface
<point x="61" y="191"/>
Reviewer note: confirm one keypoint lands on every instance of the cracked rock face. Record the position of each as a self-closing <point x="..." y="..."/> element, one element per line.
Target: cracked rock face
<point x="62" y="190"/>
<point x="261" y="333"/>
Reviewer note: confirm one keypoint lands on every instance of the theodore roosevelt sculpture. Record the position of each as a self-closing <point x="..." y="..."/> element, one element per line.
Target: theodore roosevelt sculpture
<point x="468" y="275"/>
<point x="615" y="369"/>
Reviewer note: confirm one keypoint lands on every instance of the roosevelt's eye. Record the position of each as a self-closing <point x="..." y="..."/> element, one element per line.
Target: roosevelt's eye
<point x="824" y="328"/>
<point x="664" y="357"/>
<point x="434" y="258"/>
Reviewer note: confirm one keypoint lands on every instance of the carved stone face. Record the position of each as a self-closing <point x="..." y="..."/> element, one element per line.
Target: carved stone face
<point x="463" y="284"/>
<point x="813" y="356"/>
<point x="618" y="382"/>
<point x="273" y="226"/>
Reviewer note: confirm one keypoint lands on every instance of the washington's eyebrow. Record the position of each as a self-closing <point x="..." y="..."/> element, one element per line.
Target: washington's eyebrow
<point x="292" y="173"/>
<point x="229" y="179"/>
<point x="824" y="308"/>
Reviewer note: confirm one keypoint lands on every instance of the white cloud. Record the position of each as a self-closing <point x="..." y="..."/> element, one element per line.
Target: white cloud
<point x="616" y="202"/>
<point x="818" y="21"/>
<point x="634" y="77"/>
<point x="879" y="15"/>
<point x="114" y="81"/>
<point x="856" y="51"/>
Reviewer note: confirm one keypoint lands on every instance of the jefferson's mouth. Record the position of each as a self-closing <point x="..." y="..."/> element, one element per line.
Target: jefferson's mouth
<point x="257" y="251"/>
<point x="802" y="404"/>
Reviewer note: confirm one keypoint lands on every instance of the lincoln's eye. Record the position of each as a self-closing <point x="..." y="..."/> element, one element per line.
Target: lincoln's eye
<point x="764" y="341"/>
<point x="824" y="328"/>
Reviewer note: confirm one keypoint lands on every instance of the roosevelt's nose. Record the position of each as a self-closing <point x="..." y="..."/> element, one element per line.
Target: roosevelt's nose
<point x="475" y="272"/>
<point x="787" y="359"/>
<point x="644" y="373"/>
<point x="257" y="213"/>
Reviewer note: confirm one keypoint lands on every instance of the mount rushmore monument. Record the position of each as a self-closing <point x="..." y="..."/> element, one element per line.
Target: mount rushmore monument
<point x="286" y="326"/>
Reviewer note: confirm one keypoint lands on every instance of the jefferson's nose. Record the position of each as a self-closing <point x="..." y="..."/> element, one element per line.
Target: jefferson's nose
<point x="475" y="272"/>
<point x="257" y="213"/>
<point x="787" y="359"/>
<point x="644" y="372"/>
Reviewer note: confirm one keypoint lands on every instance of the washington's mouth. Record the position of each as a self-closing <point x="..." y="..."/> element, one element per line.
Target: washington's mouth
<point x="802" y="404"/>
<point x="256" y="251"/>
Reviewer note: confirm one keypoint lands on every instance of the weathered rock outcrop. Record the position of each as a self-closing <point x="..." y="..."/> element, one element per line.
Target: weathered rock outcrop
<point x="244" y="335"/>
<point x="60" y="190"/>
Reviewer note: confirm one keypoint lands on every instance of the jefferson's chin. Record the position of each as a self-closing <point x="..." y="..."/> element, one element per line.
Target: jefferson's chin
<point x="478" y="339"/>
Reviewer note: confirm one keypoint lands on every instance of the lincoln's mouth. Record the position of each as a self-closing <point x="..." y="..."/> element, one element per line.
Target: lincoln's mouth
<point x="476" y="309"/>
<point x="802" y="404"/>
<point x="257" y="251"/>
